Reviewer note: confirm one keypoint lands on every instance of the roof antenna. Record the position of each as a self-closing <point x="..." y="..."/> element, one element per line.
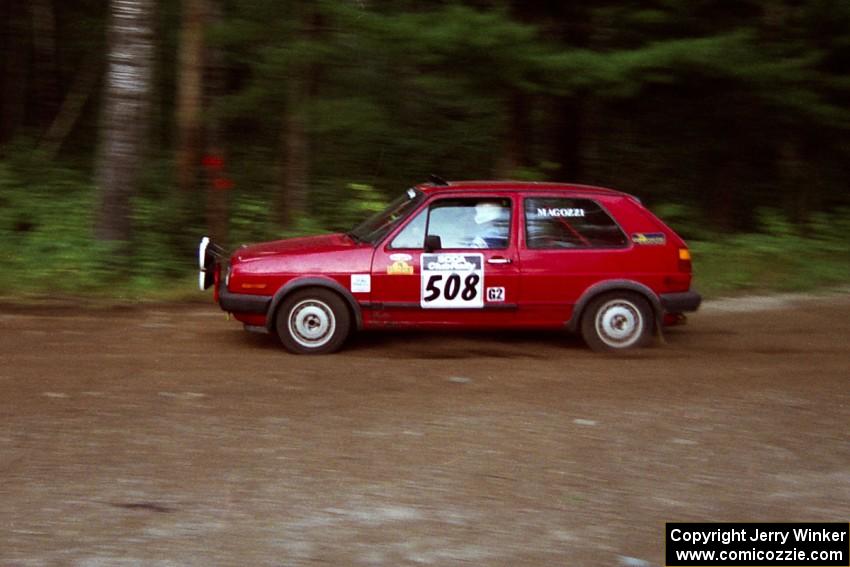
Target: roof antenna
<point x="437" y="180"/>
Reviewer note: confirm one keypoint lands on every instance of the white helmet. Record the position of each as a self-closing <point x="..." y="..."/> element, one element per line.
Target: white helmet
<point x="487" y="211"/>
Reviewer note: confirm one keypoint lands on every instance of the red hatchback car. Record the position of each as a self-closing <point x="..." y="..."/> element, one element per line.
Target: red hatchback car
<point x="467" y="255"/>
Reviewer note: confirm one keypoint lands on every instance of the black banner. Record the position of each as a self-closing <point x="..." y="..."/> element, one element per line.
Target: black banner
<point x="757" y="544"/>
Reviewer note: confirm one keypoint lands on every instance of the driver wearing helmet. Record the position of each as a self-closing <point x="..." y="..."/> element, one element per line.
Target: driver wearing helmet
<point x="491" y="225"/>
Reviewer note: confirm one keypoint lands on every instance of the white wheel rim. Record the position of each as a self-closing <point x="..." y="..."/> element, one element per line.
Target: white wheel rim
<point x="619" y="323"/>
<point x="311" y="323"/>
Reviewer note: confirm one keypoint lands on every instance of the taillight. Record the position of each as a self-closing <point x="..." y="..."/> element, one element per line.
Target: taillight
<point x="684" y="260"/>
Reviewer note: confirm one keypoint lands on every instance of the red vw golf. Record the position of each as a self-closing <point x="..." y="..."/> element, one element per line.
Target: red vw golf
<point x="480" y="254"/>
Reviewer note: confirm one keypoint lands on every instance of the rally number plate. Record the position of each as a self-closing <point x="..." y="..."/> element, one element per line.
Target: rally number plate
<point x="452" y="281"/>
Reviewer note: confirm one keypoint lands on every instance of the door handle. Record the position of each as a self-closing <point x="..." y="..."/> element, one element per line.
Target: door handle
<point x="498" y="260"/>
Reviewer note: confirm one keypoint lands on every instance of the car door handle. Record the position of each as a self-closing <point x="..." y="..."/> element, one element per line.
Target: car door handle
<point x="498" y="260"/>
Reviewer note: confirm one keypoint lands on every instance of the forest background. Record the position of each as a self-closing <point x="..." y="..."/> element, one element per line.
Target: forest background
<point x="130" y="128"/>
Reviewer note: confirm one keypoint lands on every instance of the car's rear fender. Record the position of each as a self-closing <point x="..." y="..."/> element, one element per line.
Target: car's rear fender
<point x="615" y="285"/>
<point x="320" y="282"/>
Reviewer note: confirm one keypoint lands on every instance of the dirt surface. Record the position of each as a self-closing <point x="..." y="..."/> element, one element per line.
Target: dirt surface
<point x="168" y="436"/>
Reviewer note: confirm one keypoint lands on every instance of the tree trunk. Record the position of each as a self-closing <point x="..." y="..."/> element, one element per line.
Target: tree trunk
<point x="794" y="182"/>
<point x="218" y="184"/>
<point x="295" y="164"/>
<point x="574" y="29"/>
<point x="190" y="93"/>
<point x="568" y="139"/>
<point x="125" y="104"/>
<point x="516" y="144"/>
<point x="16" y="47"/>
<point x="78" y="95"/>
<point x="45" y="80"/>
<point x="296" y="157"/>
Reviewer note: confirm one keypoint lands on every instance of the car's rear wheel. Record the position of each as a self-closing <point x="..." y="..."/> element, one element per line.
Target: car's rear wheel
<point x="313" y="321"/>
<point x="617" y="321"/>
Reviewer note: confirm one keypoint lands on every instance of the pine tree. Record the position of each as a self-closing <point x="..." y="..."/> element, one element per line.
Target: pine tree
<point x="124" y="114"/>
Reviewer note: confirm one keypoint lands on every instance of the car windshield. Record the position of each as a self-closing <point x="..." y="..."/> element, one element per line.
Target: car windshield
<point x="378" y="225"/>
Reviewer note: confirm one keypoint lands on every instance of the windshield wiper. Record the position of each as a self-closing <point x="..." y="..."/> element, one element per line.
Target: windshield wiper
<point x="351" y="234"/>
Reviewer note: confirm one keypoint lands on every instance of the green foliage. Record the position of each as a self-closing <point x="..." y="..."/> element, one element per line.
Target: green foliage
<point x="45" y="219"/>
<point x="686" y="220"/>
<point x="781" y="257"/>
<point x="678" y="90"/>
<point x="46" y="215"/>
<point x="717" y="109"/>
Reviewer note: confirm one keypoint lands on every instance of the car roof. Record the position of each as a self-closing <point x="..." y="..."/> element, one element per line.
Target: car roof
<point x="432" y="188"/>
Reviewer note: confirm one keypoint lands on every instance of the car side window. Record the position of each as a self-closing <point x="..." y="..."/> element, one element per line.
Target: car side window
<point x="460" y="223"/>
<point x="412" y="235"/>
<point x="562" y="223"/>
<point x="471" y="223"/>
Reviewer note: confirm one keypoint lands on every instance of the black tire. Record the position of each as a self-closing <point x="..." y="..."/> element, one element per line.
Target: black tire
<point x="617" y="321"/>
<point x="313" y="321"/>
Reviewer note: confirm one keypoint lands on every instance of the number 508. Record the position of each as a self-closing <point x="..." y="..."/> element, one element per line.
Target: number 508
<point x="452" y="287"/>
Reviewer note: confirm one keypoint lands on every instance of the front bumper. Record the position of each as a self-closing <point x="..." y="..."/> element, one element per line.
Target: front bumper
<point x="682" y="302"/>
<point x="241" y="302"/>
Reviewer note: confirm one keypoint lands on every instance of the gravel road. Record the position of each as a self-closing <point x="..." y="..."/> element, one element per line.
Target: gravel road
<point x="168" y="436"/>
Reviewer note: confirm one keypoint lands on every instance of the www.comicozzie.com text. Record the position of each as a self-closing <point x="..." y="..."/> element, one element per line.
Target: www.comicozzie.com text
<point x="726" y="536"/>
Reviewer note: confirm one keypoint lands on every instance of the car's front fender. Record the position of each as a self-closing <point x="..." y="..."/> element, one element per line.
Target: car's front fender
<point x="312" y="281"/>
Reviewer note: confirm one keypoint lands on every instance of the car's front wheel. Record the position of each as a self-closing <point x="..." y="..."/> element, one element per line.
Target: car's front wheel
<point x="313" y="321"/>
<point x="617" y="321"/>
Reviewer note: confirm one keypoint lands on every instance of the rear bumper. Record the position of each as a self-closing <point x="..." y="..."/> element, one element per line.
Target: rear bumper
<point x="683" y="302"/>
<point x="242" y="302"/>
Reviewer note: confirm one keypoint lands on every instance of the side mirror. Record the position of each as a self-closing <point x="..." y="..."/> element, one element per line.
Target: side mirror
<point x="433" y="243"/>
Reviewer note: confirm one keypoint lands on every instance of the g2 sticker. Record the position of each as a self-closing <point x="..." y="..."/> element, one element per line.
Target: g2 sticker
<point x="495" y="294"/>
<point x="452" y="281"/>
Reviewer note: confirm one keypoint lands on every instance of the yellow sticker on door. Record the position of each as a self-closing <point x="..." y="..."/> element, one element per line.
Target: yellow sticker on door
<point x="400" y="268"/>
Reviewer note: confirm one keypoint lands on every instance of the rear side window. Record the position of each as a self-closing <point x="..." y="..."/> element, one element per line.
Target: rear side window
<point x="559" y="223"/>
